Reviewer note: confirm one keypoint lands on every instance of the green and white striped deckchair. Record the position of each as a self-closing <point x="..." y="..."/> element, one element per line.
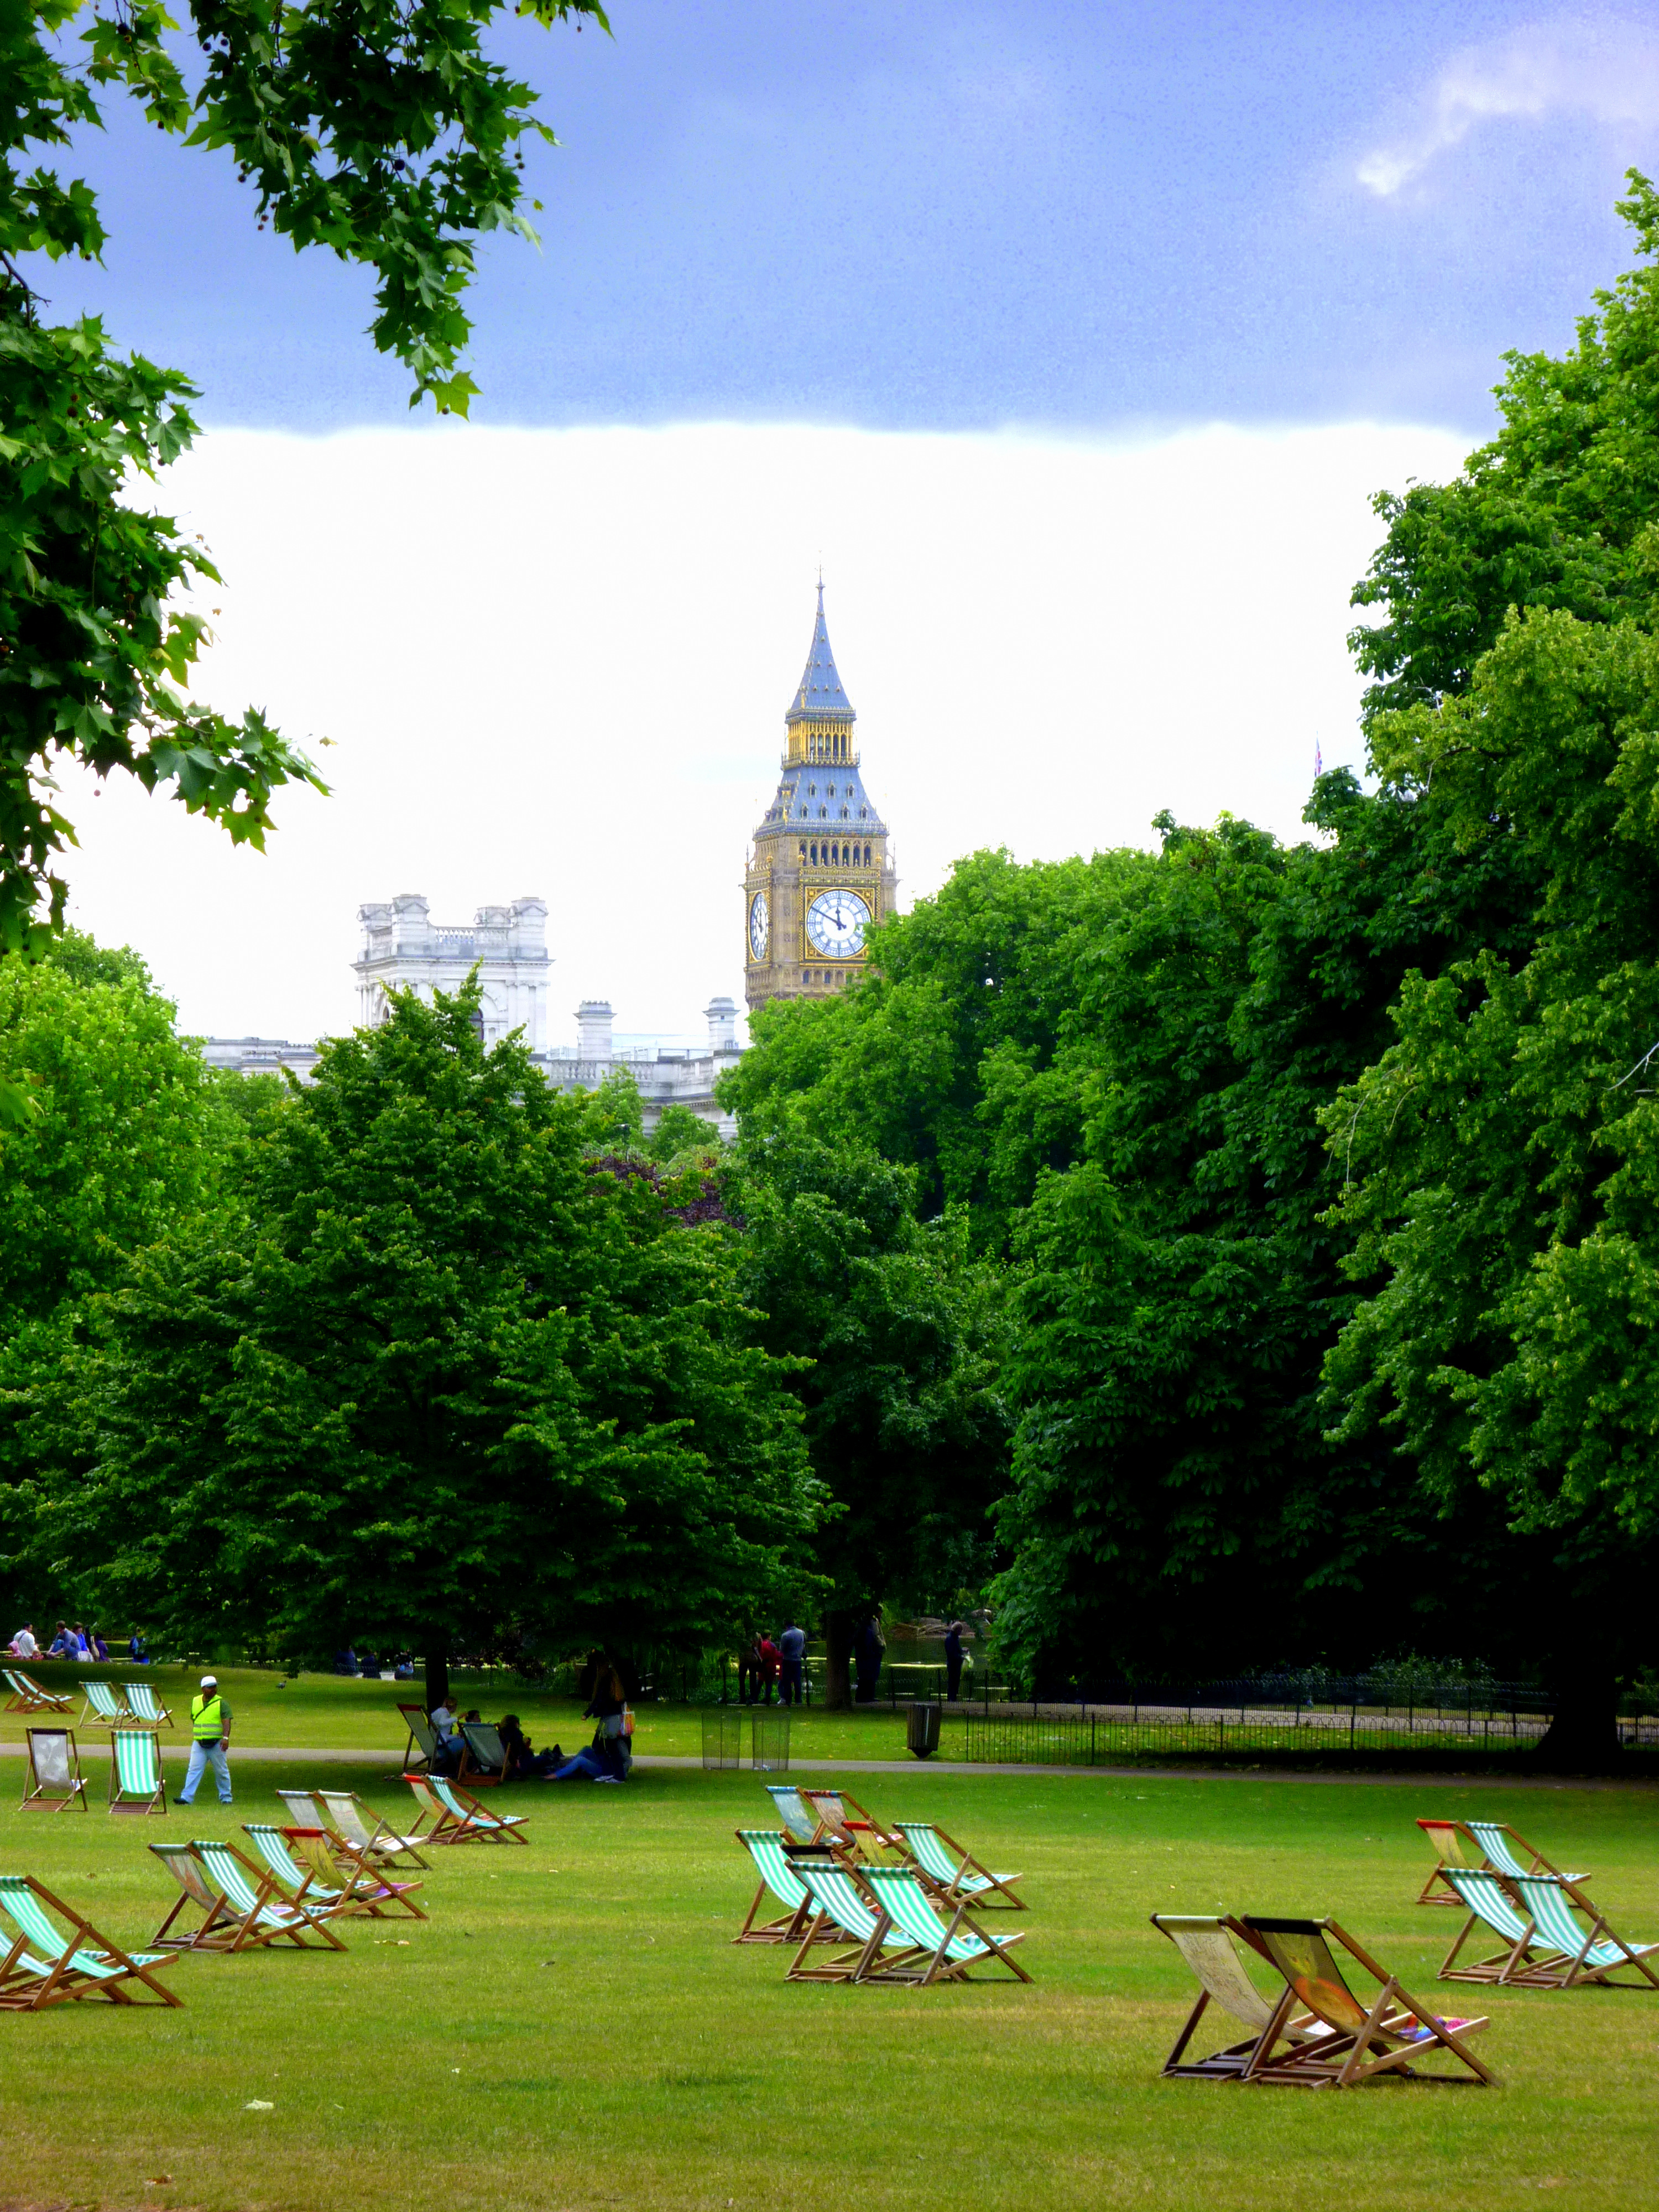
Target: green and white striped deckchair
<point x="323" y="1894"/>
<point x="958" y="1942"/>
<point x="332" y="1860"/>
<point x="143" y="1705"/>
<point x="259" y="1914"/>
<point x="1593" y="1954"/>
<point x="779" y="1872"/>
<point x="1503" y="1845"/>
<point x="466" y="1821"/>
<point x="43" y="1967"/>
<point x="879" y="1952"/>
<point x="796" y="1814"/>
<point x="102" y="1709"/>
<point x="1380" y="2037"/>
<point x="28" y="1697"/>
<point x="135" y="1772"/>
<point x="1526" y="1961"/>
<point x="52" y="1777"/>
<point x="344" y="1813"/>
<point x="956" y="1874"/>
<point x="217" y="1929"/>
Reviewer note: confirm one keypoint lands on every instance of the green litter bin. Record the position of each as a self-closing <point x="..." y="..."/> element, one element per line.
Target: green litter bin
<point x="922" y="1735"/>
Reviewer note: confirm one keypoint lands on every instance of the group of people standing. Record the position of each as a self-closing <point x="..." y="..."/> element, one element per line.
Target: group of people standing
<point x="772" y="1665"/>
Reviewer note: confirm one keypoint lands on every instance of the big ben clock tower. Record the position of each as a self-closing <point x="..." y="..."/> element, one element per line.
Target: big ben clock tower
<point x="820" y="873"/>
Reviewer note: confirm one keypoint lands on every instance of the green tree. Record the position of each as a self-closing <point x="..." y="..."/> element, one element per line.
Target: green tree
<point x="377" y="129"/>
<point x="898" y="1334"/>
<point x="447" y="1381"/>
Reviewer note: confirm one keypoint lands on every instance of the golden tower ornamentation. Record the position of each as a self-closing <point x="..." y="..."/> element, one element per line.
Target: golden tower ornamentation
<point x="820" y="871"/>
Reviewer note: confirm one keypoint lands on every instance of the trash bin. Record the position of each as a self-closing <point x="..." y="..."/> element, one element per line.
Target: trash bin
<point x="921" y="1736"/>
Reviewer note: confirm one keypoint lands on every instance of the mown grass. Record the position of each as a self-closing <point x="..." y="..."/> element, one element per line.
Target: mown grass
<point x="573" y="2028"/>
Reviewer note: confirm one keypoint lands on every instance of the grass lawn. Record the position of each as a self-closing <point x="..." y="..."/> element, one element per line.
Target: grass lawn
<point x="574" y="2028"/>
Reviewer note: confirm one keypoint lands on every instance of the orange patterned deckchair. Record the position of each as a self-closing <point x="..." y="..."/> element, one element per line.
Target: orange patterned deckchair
<point x="1368" y="2039"/>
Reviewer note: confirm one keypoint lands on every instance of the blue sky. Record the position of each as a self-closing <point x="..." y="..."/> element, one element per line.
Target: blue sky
<point x="1090" y="217"/>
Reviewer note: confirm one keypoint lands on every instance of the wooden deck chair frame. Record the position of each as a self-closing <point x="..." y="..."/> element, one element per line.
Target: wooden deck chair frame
<point x="217" y="1927"/>
<point x="365" y="1888"/>
<point x="72" y="1973"/>
<point x="946" y="1881"/>
<point x="1209" y="1945"/>
<point x="28" y="1697"/>
<point x="1531" y="1955"/>
<point x="455" y="1822"/>
<point x="422" y="1738"/>
<point x="51" y="1783"/>
<point x="1381" y="2038"/>
<point x="1549" y="1901"/>
<point x="904" y="1897"/>
<point x="780" y="1876"/>
<point x="249" y="1923"/>
<point x="130" y="1795"/>
<point x="842" y="1902"/>
<point x="481" y="1741"/>
<point x="113" y="1712"/>
<point x="861" y="1833"/>
<point x="144" y="1705"/>
<point x="358" y="1826"/>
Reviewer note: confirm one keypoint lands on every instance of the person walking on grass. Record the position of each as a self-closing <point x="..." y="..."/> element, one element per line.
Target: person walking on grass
<point x="210" y="1732"/>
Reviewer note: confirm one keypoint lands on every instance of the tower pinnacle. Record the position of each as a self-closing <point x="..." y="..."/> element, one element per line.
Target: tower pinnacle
<point x="820" y="694"/>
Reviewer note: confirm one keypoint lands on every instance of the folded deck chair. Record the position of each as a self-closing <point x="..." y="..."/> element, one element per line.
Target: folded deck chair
<point x="350" y="1821"/>
<point x="797" y="1817"/>
<point x="43" y="1965"/>
<point x="1380" y="2038"/>
<point x="958" y="1941"/>
<point x="779" y="1871"/>
<point x="457" y="1817"/>
<point x="104" y="1707"/>
<point x="135" y="1772"/>
<point x="259" y="1914"/>
<point x="850" y="1828"/>
<point x="878" y="1952"/>
<point x="143" y="1704"/>
<point x="52" y="1777"/>
<point x="956" y="1874"/>
<point x="28" y="1697"/>
<point x="215" y="1929"/>
<point x="1209" y="1945"/>
<point x="422" y="1737"/>
<point x="484" y="1755"/>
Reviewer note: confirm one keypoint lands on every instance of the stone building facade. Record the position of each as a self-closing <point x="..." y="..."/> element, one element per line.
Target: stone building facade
<point x="820" y="870"/>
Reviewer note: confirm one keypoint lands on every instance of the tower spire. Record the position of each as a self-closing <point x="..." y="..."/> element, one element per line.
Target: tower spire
<point x="820" y="693"/>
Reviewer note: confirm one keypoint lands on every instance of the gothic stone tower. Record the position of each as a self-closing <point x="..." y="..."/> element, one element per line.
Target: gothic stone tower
<point x="820" y="872"/>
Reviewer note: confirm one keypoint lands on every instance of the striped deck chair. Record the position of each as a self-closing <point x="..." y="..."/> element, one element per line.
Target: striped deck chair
<point x="259" y="1915"/>
<point x="28" y="1697"/>
<point x="958" y="1941"/>
<point x="422" y="1737"/>
<point x="103" y="1708"/>
<point x="43" y="1967"/>
<point x="135" y="1772"/>
<point x="455" y="1821"/>
<point x="216" y="1928"/>
<point x="850" y="1828"/>
<point x="1502" y="1846"/>
<point x="1380" y="2037"/>
<point x="802" y="1823"/>
<point x="51" y="1778"/>
<point x="878" y="1951"/>
<point x="348" y="1820"/>
<point x="1209" y="1943"/>
<point x="484" y="1755"/>
<point x="955" y="1873"/>
<point x="1525" y="1962"/>
<point x="779" y="1872"/>
<point x="1594" y="1953"/>
<point x="143" y="1705"/>
<point x="330" y="1860"/>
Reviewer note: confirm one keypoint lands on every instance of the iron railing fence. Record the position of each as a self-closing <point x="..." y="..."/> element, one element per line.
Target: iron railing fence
<point x="1014" y="1736"/>
<point x="1381" y="1690"/>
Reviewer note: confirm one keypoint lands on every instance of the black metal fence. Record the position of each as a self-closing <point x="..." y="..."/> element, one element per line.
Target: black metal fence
<point x="1015" y="1736"/>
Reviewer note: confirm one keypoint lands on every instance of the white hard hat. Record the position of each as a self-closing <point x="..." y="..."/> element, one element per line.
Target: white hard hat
<point x="210" y="1681"/>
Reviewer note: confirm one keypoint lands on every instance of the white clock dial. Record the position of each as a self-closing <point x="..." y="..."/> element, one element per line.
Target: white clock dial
<point x="835" y="923"/>
<point x="760" y="925"/>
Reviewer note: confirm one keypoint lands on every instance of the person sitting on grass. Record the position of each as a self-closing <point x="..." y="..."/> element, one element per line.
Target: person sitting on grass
<point x="524" y="1764"/>
<point x="96" y="1647"/>
<point x="24" y="1645"/>
<point x="63" y="1644"/>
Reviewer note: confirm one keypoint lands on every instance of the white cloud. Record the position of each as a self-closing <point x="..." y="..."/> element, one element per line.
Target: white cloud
<point x="1606" y="72"/>
<point x="557" y="662"/>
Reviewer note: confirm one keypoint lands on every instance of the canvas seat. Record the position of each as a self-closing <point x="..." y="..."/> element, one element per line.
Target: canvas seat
<point x="135" y="1772"/>
<point x="143" y="1705"/>
<point x="215" y="1929"/>
<point x="43" y="1965"/>
<point x="1504" y="1846"/>
<point x="780" y="1872"/>
<point x="350" y="1821"/>
<point x="959" y="1942"/>
<point x="955" y="1873"/>
<point x="422" y="1738"/>
<point x="1367" y="2040"/>
<point x="484" y="1755"/>
<point x="798" y="1818"/>
<point x="51" y="1774"/>
<point x="26" y="1696"/>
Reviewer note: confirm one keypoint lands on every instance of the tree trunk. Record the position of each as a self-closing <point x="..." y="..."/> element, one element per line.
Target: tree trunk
<point x="1583" y="1736"/>
<point x="437" y="1672"/>
<point x="837" y="1647"/>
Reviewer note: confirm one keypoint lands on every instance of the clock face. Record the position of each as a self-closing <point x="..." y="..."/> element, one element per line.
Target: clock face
<point x="835" y="923"/>
<point x="760" y="925"/>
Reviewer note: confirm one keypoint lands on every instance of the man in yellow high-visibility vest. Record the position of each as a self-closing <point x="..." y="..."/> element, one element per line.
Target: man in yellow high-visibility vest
<point x="210" y="1732"/>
